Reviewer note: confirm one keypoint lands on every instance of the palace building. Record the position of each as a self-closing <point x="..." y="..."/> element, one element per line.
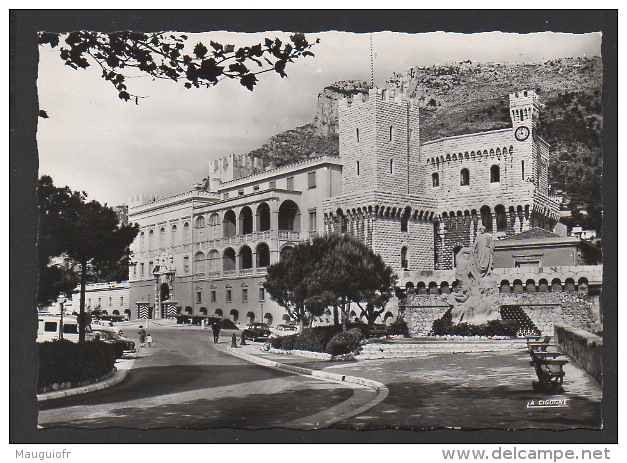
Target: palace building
<point x="206" y="251"/>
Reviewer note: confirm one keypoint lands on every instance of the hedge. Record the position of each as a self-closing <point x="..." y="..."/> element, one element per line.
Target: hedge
<point x="62" y="362"/>
<point x="399" y="326"/>
<point x="330" y="339"/>
<point x="444" y="326"/>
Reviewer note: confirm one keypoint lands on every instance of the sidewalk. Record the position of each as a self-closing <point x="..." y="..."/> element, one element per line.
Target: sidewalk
<point x="459" y="386"/>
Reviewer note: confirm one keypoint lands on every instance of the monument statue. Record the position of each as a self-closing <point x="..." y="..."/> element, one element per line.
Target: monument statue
<point x="473" y="300"/>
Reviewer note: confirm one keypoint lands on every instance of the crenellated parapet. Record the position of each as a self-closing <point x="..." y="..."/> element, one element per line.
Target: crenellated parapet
<point x="379" y="95"/>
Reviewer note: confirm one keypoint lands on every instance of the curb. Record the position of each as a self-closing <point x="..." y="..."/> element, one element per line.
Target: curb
<point x="116" y="378"/>
<point x="376" y="385"/>
<point x="324" y="421"/>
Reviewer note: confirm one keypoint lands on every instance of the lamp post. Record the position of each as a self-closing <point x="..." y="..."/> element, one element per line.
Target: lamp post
<point x="62" y="300"/>
<point x="261" y="305"/>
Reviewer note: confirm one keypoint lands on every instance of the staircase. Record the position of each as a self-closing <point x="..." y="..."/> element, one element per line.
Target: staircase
<point x="526" y="327"/>
<point x="424" y="346"/>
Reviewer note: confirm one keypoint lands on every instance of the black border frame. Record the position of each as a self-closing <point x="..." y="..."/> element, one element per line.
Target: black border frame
<point x="23" y="165"/>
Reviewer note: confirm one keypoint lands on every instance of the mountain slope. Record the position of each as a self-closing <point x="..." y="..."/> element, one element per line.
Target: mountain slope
<point x="470" y="97"/>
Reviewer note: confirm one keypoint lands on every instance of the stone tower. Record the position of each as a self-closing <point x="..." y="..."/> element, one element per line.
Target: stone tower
<point x="379" y="143"/>
<point x="381" y="202"/>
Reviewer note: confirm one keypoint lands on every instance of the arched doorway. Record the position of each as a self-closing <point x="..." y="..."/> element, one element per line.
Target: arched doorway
<point x="263" y="255"/>
<point x="246" y="221"/>
<point x="263" y="217"/>
<point x="164" y="292"/>
<point x="229" y="227"/>
<point x="289" y="216"/>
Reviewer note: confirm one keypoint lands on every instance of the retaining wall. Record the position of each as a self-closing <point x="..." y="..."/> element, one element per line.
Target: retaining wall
<point x="586" y="349"/>
<point x="544" y="309"/>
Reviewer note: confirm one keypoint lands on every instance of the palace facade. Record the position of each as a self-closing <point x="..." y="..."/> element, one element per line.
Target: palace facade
<point x="206" y="251"/>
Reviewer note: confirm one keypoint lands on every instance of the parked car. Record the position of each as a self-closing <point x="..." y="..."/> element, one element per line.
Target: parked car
<point x="285" y="330"/>
<point x="120" y="343"/>
<point x="256" y="331"/>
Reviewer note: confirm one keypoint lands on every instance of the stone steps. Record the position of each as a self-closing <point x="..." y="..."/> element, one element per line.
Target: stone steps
<point x="408" y="350"/>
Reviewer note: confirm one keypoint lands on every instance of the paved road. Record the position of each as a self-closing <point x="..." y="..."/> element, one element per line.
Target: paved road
<point x="184" y="381"/>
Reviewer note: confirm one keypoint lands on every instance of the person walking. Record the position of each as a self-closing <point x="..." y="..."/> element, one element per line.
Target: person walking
<point x="149" y="339"/>
<point x="142" y="336"/>
<point x="216" y="331"/>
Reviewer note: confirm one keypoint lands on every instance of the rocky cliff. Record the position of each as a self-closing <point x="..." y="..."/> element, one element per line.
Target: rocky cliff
<point x="470" y="97"/>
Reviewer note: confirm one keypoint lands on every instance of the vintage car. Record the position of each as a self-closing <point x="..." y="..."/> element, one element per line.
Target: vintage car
<point x="256" y="332"/>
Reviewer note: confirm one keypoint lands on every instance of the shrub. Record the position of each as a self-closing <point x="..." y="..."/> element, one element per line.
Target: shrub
<point x="318" y="339"/>
<point x="345" y="342"/>
<point x="228" y="324"/>
<point x="444" y="326"/>
<point x="284" y="342"/>
<point x="399" y="326"/>
<point x="63" y="361"/>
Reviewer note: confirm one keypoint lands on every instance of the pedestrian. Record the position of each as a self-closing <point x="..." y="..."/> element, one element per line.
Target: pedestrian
<point x="149" y="340"/>
<point x="216" y="331"/>
<point x="142" y="336"/>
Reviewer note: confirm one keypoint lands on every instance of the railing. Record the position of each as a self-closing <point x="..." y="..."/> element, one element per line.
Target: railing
<point x="289" y="235"/>
<point x="230" y="273"/>
<point x="246" y="271"/>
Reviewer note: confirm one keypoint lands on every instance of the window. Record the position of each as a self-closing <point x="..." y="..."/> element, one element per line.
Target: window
<point x="121" y="301"/>
<point x="357" y="167"/>
<point x="213" y="295"/>
<point x="404" y="263"/>
<point x="150" y="267"/>
<point x="229" y="297"/>
<point x="141" y="269"/>
<point x="225" y="195"/>
<point x="186" y="231"/>
<point x="110" y="302"/>
<point x="312" y="220"/>
<point x="244" y="294"/>
<point x="391" y="166"/>
<point x="70" y="328"/>
<point x="391" y="133"/>
<point x="311" y="180"/>
<point x="186" y="264"/>
<point x="134" y="271"/>
<point x="198" y="297"/>
<point x="272" y="184"/>
<point x="199" y="263"/>
<point x="262" y="294"/>
<point x="240" y="192"/>
<point x="435" y="179"/>
<point x="464" y="177"/>
<point x="50" y="326"/>
<point x="173" y="236"/>
<point x="522" y="168"/>
<point x="290" y="183"/>
<point x="99" y="302"/>
<point x="357" y="135"/>
<point x="495" y="174"/>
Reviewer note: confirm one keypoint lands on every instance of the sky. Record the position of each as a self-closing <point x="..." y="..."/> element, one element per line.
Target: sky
<point x="94" y="142"/>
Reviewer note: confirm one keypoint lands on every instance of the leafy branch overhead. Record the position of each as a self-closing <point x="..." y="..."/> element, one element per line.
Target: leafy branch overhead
<point x="172" y="57"/>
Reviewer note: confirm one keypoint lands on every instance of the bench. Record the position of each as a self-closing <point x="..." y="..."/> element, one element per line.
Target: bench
<point x="550" y="373"/>
<point x="549" y="368"/>
<point x="538" y="343"/>
<point x="377" y="331"/>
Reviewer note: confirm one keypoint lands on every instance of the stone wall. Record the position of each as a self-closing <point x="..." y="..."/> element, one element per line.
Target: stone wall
<point x="586" y="349"/>
<point x="420" y="318"/>
<point x="544" y="309"/>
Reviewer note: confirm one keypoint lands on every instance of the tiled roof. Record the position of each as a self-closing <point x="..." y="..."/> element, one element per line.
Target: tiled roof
<point x="533" y="233"/>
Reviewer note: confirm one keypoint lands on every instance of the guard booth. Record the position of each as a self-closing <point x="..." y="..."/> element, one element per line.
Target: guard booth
<point x="144" y="310"/>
